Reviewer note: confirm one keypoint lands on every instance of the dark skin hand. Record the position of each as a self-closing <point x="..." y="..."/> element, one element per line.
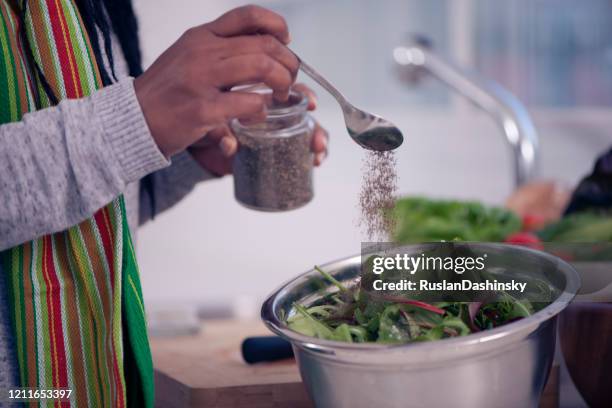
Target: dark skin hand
<point x="186" y="94"/>
<point x="216" y="151"/>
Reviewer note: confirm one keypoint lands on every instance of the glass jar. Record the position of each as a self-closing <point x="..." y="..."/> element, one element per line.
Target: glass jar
<point x="274" y="163"/>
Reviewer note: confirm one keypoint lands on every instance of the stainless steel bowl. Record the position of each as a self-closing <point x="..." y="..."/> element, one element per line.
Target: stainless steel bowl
<point x="504" y="367"/>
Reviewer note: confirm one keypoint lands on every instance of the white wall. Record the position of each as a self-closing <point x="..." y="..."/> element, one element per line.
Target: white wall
<point x="209" y="249"/>
<point x="162" y="21"/>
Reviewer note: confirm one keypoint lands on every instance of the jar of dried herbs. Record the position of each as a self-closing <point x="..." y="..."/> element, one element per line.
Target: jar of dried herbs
<point x="274" y="163"/>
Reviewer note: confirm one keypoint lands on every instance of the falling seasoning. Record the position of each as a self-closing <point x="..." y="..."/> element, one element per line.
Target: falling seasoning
<point x="274" y="163"/>
<point x="378" y="195"/>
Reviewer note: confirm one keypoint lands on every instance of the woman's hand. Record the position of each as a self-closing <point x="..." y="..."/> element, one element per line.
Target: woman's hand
<point x="185" y="94"/>
<point x="539" y="202"/>
<point x="215" y="152"/>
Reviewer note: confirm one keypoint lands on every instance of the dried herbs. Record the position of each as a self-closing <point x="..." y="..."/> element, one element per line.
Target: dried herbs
<point x="377" y="196"/>
<point x="274" y="163"/>
<point x="274" y="173"/>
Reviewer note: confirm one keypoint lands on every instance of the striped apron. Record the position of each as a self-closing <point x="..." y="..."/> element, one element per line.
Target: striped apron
<point x="75" y="297"/>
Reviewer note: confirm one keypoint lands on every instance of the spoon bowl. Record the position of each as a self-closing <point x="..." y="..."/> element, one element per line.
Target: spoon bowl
<point x="371" y="131"/>
<point x="368" y="130"/>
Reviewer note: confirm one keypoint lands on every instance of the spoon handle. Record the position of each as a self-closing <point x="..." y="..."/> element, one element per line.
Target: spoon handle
<point x="311" y="72"/>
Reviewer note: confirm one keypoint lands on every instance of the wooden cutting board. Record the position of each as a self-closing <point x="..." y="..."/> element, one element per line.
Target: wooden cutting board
<point x="207" y="370"/>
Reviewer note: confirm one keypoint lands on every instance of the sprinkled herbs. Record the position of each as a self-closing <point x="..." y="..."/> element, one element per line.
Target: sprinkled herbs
<point x="377" y="197"/>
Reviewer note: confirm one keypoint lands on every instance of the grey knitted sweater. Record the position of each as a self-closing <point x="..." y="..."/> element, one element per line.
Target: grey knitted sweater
<point x="58" y="166"/>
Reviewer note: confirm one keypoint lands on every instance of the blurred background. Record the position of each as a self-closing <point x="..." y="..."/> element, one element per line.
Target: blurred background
<point x="555" y="55"/>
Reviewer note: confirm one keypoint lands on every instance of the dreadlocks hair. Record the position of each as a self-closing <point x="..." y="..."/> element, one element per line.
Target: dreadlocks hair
<point x="125" y="27"/>
<point x="99" y="18"/>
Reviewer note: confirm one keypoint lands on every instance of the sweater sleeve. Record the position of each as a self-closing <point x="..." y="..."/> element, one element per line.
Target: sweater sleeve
<point x="59" y="165"/>
<point x="170" y="185"/>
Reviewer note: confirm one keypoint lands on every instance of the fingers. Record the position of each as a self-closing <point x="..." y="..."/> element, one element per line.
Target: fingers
<point x="250" y="20"/>
<point x="319" y="144"/>
<point x="221" y="139"/>
<point x="320" y="138"/>
<point x="252" y="68"/>
<point x="262" y="44"/>
<point x="215" y="135"/>
<point x="212" y="159"/>
<point x="310" y="94"/>
<point x="228" y="145"/>
<point x="241" y="105"/>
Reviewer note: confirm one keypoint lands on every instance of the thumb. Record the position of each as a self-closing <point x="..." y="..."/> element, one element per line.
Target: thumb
<point x="220" y="138"/>
<point x="212" y="138"/>
<point x="228" y="145"/>
<point x="225" y="139"/>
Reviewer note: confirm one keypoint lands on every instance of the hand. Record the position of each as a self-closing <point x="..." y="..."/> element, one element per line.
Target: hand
<point x="320" y="137"/>
<point x="215" y="152"/>
<point x="185" y="93"/>
<point x="540" y="202"/>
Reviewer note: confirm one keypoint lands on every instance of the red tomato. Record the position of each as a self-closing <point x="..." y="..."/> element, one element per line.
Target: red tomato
<point x="533" y="222"/>
<point x="527" y="239"/>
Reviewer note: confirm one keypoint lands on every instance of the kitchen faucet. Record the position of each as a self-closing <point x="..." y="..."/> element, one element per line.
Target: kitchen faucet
<point x="417" y="59"/>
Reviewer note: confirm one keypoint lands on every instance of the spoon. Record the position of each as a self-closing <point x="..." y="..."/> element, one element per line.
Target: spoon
<point x="368" y="130"/>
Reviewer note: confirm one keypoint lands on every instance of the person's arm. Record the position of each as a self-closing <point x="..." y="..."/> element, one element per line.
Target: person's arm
<point x="170" y="185"/>
<point x="59" y="165"/>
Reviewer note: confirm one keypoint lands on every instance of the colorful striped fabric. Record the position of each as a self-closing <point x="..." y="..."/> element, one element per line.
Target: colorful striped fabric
<point x="76" y="301"/>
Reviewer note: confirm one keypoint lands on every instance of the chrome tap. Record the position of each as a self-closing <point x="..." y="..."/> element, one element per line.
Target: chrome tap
<point x="417" y="59"/>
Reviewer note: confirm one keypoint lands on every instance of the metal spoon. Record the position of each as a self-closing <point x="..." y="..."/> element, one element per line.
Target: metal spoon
<point x="368" y="130"/>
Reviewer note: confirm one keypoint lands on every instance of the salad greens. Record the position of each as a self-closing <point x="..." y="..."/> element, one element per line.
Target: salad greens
<point x="420" y="219"/>
<point x="353" y="315"/>
<point x="579" y="227"/>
